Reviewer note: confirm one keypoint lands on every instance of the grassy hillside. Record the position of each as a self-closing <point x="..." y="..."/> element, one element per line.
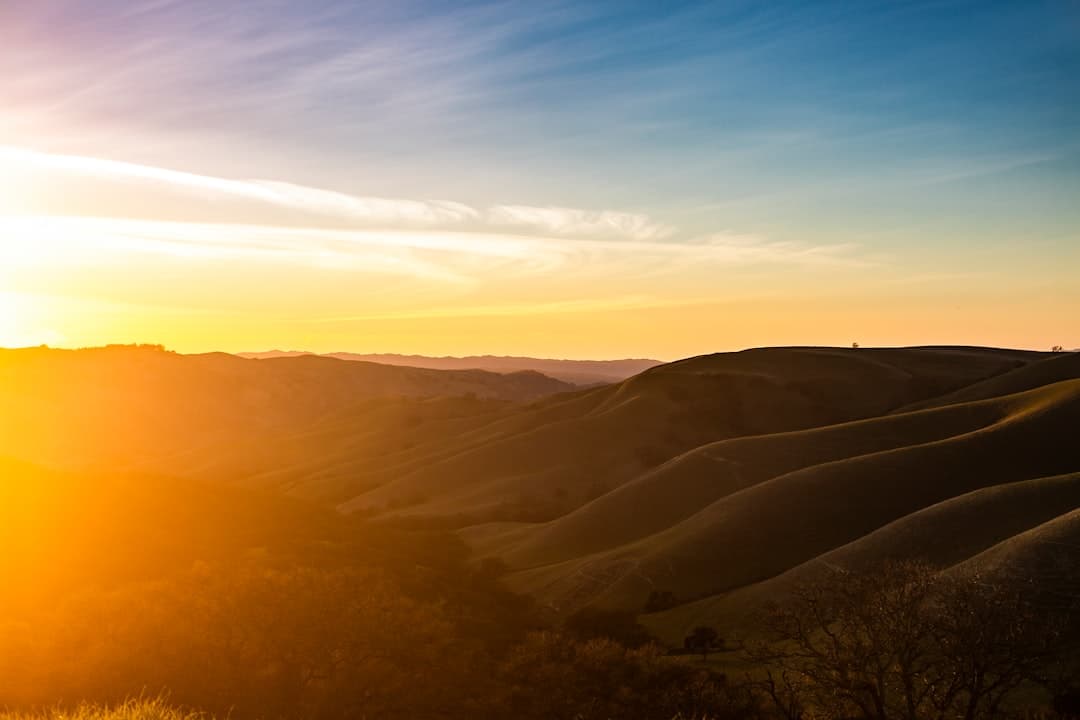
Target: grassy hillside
<point x="715" y="479"/>
<point x="687" y="483"/>
<point x="124" y="406"/>
<point x="554" y="463"/>
<point x="462" y="446"/>
<point x="891" y="467"/>
<point x="241" y="602"/>
<point x="1050" y="369"/>
<point x="194" y="527"/>
<point x="63" y="530"/>
<point x="947" y="534"/>
<point x="1048" y="555"/>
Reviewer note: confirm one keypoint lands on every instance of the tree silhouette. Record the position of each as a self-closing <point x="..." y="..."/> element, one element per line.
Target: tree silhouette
<point x="703" y="639"/>
<point x="905" y="642"/>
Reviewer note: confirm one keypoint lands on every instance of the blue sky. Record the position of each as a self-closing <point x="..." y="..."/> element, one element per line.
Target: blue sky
<point x="938" y="137"/>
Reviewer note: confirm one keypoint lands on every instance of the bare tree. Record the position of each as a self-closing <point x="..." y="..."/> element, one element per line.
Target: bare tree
<point x="993" y="641"/>
<point x="902" y="643"/>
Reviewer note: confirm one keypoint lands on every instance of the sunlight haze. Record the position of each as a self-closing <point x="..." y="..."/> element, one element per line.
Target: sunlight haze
<point x="539" y="360"/>
<point x="551" y="179"/>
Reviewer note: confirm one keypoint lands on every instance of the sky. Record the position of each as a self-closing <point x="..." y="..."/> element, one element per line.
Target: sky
<point x="561" y="179"/>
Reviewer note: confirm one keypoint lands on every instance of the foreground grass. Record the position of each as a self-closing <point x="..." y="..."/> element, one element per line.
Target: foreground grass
<point x="157" y="709"/>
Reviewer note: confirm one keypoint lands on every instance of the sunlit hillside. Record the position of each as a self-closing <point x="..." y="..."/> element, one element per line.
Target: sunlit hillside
<point x="254" y="537"/>
<point x="147" y="407"/>
<point x="545" y="360"/>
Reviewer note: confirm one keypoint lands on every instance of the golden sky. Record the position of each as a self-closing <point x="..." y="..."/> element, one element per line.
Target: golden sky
<point x="541" y="180"/>
<point x="100" y="251"/>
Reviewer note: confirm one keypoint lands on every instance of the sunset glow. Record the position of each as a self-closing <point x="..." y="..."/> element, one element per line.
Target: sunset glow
<point x="203" y="231"/>
<point x="539" y="359"/>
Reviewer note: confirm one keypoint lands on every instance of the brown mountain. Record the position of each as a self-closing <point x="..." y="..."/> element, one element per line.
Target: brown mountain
<point x="578" y="372"/>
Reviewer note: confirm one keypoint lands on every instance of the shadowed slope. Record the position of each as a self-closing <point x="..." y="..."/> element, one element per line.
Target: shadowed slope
<point x="1047" y="555"/>
<point x="944" y="534"/>
<point x="1045" y="371"/>
<point x="775" y="525"/>
<point x="335" y="457"/>
<point x="379" y="440"/>
<point x="689" y="482"/>
<point x="648" y="419"/>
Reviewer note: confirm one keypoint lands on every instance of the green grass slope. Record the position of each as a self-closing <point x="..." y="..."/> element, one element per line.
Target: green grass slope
<point x="1049" y="369"/>
<point x="681" y="487"/>
<point x="946" y="534"/>
<point x="1047" y="557"/>
<point x="346" y="471"/>
<point x="334" y="458"/>
<point x="629" y="428"/>
<point x="775" y="525"/>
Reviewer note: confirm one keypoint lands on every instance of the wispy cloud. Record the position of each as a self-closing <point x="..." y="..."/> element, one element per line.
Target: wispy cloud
<point x="445" y="240"/>
<point x="356" y="210"/>
<point x="580" y="223"/>
<point x="732" y="249"/>
<point x="95" y="242"/>
<point x="282" y="194"/>
<point x="464" y="259"/>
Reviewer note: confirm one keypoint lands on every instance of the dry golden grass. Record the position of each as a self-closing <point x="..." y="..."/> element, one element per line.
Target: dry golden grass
<point x="769" y="527"/>
<point x="155" y="709"/>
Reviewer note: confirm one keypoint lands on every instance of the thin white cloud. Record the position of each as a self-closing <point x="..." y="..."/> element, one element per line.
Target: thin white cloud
<point x="280" y="194"/>
<point x="388" y="210"/>
<point x="731" y="249"/>
<point x="439" y="241"/>
<point x="584" y="223"/>
<point x="427" y="255"/>
<point x="434" y="254"/>
<point x="367" y="211"/>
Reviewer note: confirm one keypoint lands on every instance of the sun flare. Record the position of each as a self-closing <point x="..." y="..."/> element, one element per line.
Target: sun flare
<point x="20" y="324"/>
<point x="10" y="334"/>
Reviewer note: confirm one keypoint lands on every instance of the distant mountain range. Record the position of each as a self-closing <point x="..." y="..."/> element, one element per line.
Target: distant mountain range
<point x="578" y="372"/>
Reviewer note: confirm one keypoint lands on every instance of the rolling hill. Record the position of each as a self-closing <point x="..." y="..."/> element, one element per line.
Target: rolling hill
<point x="732" y="524"/>
<point x="720" y="480"/>
<point x="125" y="405"/>
<point x="786" y="520"/>
<point x="998" y="529"/>
<point x="557" y="457"/>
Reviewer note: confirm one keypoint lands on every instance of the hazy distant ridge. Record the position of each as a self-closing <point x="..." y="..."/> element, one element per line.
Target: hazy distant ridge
<point x="580" y="372"/>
